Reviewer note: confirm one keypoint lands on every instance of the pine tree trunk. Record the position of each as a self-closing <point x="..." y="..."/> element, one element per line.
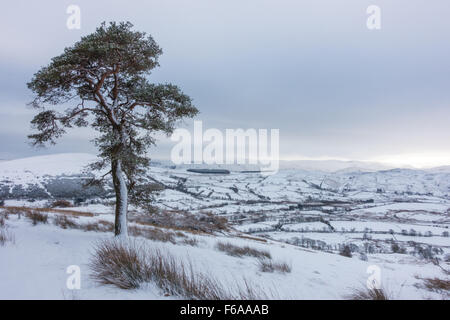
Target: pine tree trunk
<point x="121" y="191"/>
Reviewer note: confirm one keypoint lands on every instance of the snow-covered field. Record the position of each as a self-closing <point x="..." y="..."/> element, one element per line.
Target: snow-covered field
<point x="397" y="220"/>
<point x="34" y="267"/>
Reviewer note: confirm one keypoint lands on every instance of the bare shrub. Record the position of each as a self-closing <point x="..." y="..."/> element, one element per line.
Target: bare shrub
<point x="128" y="266"/>
<point x="345" y="251"/>
<point x="24" y="210"/>
<point x="369" y="294"/>
<point x="36" y="217"/>
<point x="395" y="248"/>
<point x="65" y="222"/>
<point x="61" y="204"/>
<point x="237" y="251"/>
<point x="266" y="265"/>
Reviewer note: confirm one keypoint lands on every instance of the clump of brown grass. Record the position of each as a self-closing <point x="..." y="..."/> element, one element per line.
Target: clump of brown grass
<point x="180" y="234"/>
<point x="370" y="294"/>
<point x="91" y="226"/>
<point x="118" y="264"/>
<point x="65" y="222"/>
<point x="106" y="225"/>
<point x="152" y="234"/>
<point x="61" y="204"/>
<point x="237" y="251"/>
<point x="14" y="211"/>
<point x="128" y="265"/>
<point x="99" y="226"/>
<point x="212" y="222"/>
<point x="266" y="265"/>
<point x="205" y="222"/>
<point x="36" y="217"/>
<point x="345" y="251"/>
<point x="437" y="285"/>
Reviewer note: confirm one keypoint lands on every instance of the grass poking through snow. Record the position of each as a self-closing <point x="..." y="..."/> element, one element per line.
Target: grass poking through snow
<point x="128" y="265"/>
<point x="5" y="234"/>
<point x="370" y="294"/>
<point x="36" y="217"/>
<point x="266" y="265"/>
<point x="237" y="251"/>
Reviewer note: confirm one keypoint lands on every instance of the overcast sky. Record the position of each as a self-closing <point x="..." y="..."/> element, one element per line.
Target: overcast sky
<point x="309" y="68"/>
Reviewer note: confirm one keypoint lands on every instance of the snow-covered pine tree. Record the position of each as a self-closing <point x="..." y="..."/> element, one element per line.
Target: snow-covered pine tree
<point x="103" y="80"/>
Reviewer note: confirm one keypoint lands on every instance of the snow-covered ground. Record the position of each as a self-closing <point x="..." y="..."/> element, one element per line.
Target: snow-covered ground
<point x="35" y="265"/>
<point x="306" y="218"/>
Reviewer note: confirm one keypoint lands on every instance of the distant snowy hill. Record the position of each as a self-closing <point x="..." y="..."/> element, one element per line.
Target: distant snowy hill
<point x="58" y="175"/>
<point x="308" y="165"/>
<point x="333" y="165"/>
<point x="304" y="216"/>
<point x="52" y="165"/>
<point x="63" y="175"/>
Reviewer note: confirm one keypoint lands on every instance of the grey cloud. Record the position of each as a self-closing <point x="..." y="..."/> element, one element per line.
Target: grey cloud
<point x="309" y="68"/>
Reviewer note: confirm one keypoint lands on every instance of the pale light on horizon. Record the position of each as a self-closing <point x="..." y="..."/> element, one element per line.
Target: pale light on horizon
<point x="410" y="160"/>
<point x="417" y="160"/>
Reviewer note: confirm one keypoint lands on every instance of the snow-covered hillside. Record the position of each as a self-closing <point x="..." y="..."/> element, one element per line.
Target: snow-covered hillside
<point x="396" y="219"/>
<point x="59" y="175"/>
<point x="34" y="266"/>
<point x="29" y="170"/>
<point x="33" y="177"/>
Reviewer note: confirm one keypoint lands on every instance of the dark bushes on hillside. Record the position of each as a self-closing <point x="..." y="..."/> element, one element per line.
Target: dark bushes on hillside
<point x="37" y="217"/>
<point x="346" y="251"/>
